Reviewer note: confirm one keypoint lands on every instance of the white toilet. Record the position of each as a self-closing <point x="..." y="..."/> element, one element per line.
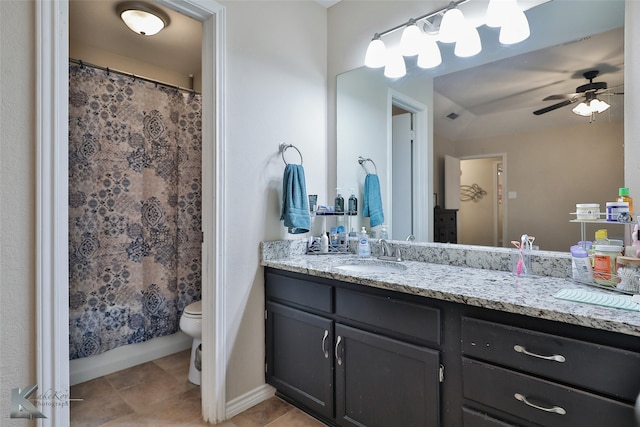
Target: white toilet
<point x="191" y="324"/>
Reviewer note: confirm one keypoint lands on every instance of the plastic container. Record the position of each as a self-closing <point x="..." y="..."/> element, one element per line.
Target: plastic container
<point x="581" y="264"/>
<point x="338" y="203"/>
<point x="614" y="209"/>
<point x="628" y="270"/>
<point x="604" y="264"/>
<point x="588" y="211"/>
<point x="364" y="248"/>
<point x="623" y="196"/>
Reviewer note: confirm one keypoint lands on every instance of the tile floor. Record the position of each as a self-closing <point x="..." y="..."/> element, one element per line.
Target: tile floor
<point x="157" y="393"/>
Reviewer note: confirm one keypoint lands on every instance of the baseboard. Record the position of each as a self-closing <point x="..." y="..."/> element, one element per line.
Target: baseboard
<point x="247" y="400"/>
<point x="88" y="368"/>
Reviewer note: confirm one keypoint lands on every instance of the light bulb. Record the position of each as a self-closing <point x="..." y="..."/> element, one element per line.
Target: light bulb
<point x="411" y="38"/>
<point x="429" y="55"/>
<point x="468" y="43"/>
<point x="395" y="67"/>
<point x="376" y="55"/>
<point x="451" y="25"/>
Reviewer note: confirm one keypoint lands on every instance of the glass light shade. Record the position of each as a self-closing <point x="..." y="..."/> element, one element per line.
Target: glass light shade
<point x="429" y="55"/>
<point x="411" y="39"/>
<point x="599" y="106"/>
<point x="142" y="22"/>
<point x="451" y="26"/>
<point x="469" y="42"/>
<point x="582" y="109"/>
<point x="395" y="67"/>
<point x="515" y="29"/>
<point x="495" y="16"/>
<point x="376" y="55"/>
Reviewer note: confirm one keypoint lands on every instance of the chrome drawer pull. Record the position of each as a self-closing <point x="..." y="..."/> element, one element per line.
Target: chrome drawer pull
<point x="555" y="409"/>
<point x="555" y="357"/>
<point x="336" y="350"/>
<point x="324" y="339"/>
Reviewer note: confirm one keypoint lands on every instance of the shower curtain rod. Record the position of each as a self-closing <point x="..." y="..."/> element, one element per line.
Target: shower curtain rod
<point x="134" y="76"/>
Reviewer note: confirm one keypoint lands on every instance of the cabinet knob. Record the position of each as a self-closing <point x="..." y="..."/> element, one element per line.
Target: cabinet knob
<point x="324" y="339"/>
<point x="556" y="357"/>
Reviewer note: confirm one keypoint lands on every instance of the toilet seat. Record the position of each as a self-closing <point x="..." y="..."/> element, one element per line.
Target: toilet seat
<point x="193" y="309"/>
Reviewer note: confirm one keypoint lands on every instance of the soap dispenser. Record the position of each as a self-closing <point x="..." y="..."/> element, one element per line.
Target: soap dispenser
<point x="352" y="207"/>
<point x="364" y="248"/>
<point x="338" y="204"/>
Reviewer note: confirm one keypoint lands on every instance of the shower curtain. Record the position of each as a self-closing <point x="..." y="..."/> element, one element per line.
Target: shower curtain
<point x="134" y="209"/>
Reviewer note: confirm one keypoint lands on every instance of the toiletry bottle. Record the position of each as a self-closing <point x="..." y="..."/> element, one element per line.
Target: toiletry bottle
<point x="353" y="204"/>
<point x="623" y="196"/>
<point x="364" y="249"/>
<point x="324" y="243"/>
<point x="384" y="234"/>
<point x="339" y="203"/>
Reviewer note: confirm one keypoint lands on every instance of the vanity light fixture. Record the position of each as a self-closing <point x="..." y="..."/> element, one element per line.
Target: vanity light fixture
<point x="142" y="18"/>
<point x="450" y="26"/>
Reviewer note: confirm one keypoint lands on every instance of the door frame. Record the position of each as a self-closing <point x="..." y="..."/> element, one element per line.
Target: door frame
<point x="422" y="161"/>
<point x="52" y="267"/>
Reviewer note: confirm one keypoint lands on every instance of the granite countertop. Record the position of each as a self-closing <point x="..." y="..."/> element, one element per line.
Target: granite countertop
<point x="496" y="290"/>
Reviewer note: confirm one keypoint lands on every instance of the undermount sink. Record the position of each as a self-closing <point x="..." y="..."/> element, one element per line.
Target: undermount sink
<point x="371" y="266"/>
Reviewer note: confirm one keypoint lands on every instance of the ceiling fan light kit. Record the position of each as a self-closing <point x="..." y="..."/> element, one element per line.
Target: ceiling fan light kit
<point x="587" y="94"/>
<point x="445" y="25"/>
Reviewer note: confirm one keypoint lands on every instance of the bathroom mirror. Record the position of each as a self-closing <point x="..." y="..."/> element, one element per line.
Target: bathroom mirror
<point x="550" y="161"/>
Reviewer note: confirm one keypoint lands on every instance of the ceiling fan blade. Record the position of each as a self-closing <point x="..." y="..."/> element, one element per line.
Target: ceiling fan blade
<point x="560" y="96"/>
<point x="555" y="106"/>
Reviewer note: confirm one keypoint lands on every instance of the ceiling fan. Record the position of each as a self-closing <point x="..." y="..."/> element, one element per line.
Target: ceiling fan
<point x="586" y="93"/>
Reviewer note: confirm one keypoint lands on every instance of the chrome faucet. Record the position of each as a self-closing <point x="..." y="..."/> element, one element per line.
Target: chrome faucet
<point x="387" y="252"/>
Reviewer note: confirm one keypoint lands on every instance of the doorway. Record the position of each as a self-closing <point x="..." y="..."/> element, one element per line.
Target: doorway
<point x="52" y="236"/>
<point x="481" y="213"/>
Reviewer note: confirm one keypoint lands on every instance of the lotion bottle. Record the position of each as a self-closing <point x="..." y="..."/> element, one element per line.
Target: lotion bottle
<point x="364" y="248"/>
<point x="352" y="207"/>
<point x="338" y="204"/>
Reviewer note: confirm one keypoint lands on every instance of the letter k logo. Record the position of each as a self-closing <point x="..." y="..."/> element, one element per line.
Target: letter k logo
<point x="21" y="407"/>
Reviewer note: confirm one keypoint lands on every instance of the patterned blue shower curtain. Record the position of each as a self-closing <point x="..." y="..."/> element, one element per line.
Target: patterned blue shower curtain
<point x="134" y="209"/>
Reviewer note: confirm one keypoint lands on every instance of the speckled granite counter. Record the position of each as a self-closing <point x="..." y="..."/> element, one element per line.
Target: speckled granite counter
<point x="488" y="288"/>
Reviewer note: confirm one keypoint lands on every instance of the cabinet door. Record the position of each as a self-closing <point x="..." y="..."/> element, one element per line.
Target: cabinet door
<point x="300" y="358"/>
<point x="381" y="382"/>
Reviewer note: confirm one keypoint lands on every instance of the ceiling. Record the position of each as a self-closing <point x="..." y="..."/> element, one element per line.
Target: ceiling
<point x="498" y="95"/>
<point x="177" y="48"/>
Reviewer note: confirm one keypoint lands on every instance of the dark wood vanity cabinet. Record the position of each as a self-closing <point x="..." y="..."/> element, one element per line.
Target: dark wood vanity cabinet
<point x="344" y="370"/>
<point x="358" y="356"/>
<point x="445" y="225"/>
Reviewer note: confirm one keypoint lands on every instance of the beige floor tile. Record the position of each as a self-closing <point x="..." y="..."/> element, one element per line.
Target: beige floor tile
<point x="296" y="418"/>
<point x="154" y="389"/>
<point x="100" y="403"/>
<point x="261" y="414"/>
<point x="176" y="364"/>
<point x="134" y="376"/>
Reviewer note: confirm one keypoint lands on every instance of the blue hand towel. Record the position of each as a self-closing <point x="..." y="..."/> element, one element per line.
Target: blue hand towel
<point x="295" y="206"/>
<point x="373" y="200"/>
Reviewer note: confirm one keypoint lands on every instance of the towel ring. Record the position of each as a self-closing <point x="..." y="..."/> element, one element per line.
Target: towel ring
<point x="362" y="162"/>
<point x="284" y="147"/>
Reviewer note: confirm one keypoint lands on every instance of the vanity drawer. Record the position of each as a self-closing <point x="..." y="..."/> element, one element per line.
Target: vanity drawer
<point x="557" y="405"/>
<point x="599" y="368"/>
<point x="390" y="316"/>
<point x="298" y="292"/>
<point x="471" y="418"/>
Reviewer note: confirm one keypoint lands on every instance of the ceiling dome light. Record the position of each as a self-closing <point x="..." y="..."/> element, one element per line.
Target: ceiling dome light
<point x="395" y="67"/>
<point x="376" y="55"/>
<point x="429" y="55"/>
<point x="142" y="18"/>
<point x="411" y="39"/>
<point x="452" y="25"/>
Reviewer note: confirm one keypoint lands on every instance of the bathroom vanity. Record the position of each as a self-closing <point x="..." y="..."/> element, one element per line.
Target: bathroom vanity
<point x="443" y="345"/>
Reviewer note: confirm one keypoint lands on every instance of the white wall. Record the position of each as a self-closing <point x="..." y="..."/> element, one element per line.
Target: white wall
<point x="17" y="203"/>
<point x="276" y="91"/>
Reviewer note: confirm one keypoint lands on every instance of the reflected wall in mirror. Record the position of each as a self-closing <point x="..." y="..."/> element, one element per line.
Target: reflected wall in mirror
<point x="550" y="161"/>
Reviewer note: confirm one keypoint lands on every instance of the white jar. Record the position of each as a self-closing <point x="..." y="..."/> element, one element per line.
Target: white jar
<point x="588" y="211"/>
<point x="616" y="208"/>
